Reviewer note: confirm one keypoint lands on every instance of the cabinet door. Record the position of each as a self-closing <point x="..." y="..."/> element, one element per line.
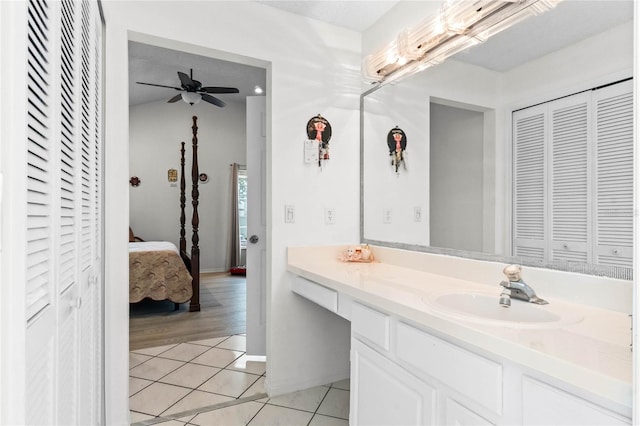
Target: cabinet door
<point x="382" y="393"/>
<point x="546" y="405"/>
<point x="456" y="414"/>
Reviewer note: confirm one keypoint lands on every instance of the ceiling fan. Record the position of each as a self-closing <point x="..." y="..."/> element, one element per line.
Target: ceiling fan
<point x="192" y="91"/>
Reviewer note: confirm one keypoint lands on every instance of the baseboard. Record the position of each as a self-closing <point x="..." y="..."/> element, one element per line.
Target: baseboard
<point x="256" y="358"/>
<point x="211" y="271"/>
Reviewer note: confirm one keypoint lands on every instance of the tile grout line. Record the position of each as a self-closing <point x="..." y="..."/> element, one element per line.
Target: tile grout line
<point x="239" y="400"/>
<point x="199" y="410"/>
<point x="183" y="364"/>
<point x="318" y="407"/>
<point x="158" y="419"/>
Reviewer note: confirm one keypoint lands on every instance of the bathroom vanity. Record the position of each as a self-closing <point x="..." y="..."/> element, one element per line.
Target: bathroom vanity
<point x="428" y="347"/>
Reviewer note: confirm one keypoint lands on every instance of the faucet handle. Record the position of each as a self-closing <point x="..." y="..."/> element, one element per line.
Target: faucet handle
<point x="513" y="272"/>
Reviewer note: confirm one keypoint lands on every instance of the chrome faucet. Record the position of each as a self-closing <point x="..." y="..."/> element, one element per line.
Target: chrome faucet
<point x="516" y="288"/>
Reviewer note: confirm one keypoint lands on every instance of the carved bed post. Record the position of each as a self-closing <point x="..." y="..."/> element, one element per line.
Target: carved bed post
<point x="183" y="199"/>
<point x="195" y="221"/>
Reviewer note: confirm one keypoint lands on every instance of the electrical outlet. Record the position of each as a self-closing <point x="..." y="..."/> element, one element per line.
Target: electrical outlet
<point x="417" y="214"/>
<point x="289" y="214"/>
<point x="386" y="216"/>
<point x="329" y="216"/>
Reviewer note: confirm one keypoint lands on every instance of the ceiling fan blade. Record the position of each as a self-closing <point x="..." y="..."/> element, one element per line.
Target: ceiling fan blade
<point x="212" y="100"/>
<point x="158" y="85"/>
<point x="187" y="82"/>
<point x="212" y="89"/>
<point x="176" y="98"/>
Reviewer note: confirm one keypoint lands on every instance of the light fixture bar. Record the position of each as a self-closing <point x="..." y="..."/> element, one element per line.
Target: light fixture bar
<point x="459" y="25"/>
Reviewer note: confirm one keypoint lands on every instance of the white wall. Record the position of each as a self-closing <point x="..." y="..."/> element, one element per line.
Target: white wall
<point x="155" y="132"/>
<point x="452" y="83"/>
<point x="456" y="168"/>
<point x="407" y="107"/>
<point x="311" y="68"/>
<point x="597" y="60"/>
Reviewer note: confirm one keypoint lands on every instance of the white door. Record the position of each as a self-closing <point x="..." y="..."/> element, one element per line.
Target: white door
<point x="256" y="226"/>
<point x="52" y="187"/>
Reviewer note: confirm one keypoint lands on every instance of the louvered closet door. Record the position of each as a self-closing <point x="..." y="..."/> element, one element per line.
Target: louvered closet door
<point x="90" y="166"/>
<point x="41" y="298"/>
<point x="529" y="135"/>
<point x="573" y="178"/>
<point x="570" y="171"/>
<point x="614" y="171"/>
<point x="64" y="297"/>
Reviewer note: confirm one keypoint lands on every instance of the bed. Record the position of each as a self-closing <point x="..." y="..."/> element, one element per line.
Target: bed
<point x="158" y="269"/>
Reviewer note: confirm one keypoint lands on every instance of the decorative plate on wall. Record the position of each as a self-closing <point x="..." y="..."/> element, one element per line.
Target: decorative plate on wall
<point x="397" y="143"/>
<point x="319" y="131"/>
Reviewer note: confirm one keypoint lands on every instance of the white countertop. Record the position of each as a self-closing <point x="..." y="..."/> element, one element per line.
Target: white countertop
<point x="591" y="350"/>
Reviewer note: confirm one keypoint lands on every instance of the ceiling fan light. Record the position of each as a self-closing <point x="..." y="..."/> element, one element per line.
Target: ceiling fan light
<point x="191" y="98"/>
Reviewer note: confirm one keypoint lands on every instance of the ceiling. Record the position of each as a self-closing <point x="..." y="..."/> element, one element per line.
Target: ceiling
<point x="532" y="38"/>
<point x="356" y="15"/>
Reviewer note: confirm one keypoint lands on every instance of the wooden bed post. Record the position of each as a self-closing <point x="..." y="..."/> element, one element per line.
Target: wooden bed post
<point x="183" y="200"/>
<point x="195" y="221"/>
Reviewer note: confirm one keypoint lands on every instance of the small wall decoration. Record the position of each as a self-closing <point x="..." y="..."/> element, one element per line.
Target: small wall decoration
<point x="172" y="175"/>
<point x="397" y="143"/>
<point x="317" y="145"/>
<point x="203" y="177"/>
<point x="135" y="181"/>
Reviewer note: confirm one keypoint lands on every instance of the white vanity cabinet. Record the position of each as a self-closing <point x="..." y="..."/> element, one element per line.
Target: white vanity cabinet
<point x="410" y="365"/>
<point x="403" y="376"/>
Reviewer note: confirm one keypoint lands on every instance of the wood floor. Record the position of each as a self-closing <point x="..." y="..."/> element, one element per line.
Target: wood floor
<point x="223" y="312"/>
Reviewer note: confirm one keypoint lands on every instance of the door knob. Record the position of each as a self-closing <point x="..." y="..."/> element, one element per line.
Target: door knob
<point x="253" y="239"/>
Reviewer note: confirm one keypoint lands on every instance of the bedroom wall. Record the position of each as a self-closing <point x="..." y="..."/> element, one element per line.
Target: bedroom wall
<point x="155" y="132"/>
<point x="312" y="68"/>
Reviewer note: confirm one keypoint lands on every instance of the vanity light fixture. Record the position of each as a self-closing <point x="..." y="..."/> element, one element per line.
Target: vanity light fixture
<point x="459" y="25"/>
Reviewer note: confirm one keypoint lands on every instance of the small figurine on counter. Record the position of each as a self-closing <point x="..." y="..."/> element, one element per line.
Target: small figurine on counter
<point x="357" y="254"/>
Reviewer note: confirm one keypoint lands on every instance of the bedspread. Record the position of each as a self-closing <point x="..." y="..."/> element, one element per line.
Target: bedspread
<point x="157" y="271"/>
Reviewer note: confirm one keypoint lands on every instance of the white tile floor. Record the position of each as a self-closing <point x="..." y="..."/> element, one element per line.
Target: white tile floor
<point x="210" y="382"/>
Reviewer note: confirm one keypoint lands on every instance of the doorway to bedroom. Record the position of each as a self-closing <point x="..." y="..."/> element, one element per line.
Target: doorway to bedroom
<point x="159" y="119"/>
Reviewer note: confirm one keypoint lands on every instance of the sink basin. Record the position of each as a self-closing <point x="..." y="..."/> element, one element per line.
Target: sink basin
<point x="485" y="309"/>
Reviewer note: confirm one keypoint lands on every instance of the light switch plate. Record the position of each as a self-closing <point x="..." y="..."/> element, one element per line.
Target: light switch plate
<point x="417" y="214"/>
<point x="289" y="214"/>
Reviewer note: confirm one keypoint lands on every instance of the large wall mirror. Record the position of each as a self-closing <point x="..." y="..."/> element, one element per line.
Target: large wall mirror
<point x="464" y="184"/>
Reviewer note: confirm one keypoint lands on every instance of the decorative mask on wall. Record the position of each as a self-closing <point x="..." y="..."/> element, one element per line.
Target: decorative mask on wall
<point x="319" y="134"/>
<point x="397" y="143"/>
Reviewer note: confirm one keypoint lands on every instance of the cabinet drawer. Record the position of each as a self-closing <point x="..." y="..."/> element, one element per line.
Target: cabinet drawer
<point x="370" y="324"/>
<point x="317" y="293"/>
<point x="542" y="403"/>
<point x="470" y="374"/>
